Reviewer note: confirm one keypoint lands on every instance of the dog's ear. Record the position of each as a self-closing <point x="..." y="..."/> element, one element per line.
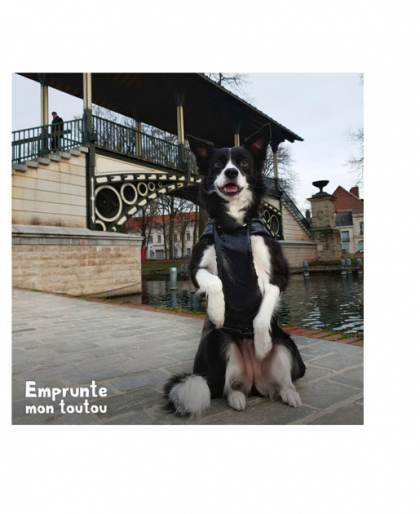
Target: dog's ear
<point x="257" y="143"/>
<point x="202" y="151"/>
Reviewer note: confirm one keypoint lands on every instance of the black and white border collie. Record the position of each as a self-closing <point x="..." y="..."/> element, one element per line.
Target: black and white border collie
<point x="242" y="271"/>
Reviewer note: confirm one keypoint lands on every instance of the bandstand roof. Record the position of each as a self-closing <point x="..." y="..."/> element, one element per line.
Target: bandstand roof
<point x="210" y="111"/>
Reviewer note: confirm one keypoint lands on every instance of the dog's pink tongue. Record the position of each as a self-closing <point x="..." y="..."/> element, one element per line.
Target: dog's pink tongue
<point x="231" y="188"/>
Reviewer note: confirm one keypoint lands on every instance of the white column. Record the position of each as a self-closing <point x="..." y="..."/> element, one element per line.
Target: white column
<point x="44" y="104"/>
<point x="276" y="165"/>
<point x="87" y="91"/>
<point x="87" y="107"/>
<point x="180" y="124"/>
<point x="236" y="140"/>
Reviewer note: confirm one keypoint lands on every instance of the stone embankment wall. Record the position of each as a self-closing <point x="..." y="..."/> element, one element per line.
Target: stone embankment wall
<point x="51" y="191"/>
<point x="296" y="252"/>
<point x="75" y="261"/>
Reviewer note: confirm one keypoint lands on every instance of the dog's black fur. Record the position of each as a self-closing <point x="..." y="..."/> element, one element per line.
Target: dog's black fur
<point x="223" y="171"/>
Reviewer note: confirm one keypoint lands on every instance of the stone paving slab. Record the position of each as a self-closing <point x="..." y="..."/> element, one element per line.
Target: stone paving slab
<point x="351" y="415"/>
<point x="67" y="343"/>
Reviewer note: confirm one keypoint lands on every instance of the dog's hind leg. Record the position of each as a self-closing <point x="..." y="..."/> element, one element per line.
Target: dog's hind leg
<point x="277" y="376"/>
<point x="237" y="384"/>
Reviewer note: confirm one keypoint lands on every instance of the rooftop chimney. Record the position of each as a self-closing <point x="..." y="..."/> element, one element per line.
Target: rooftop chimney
<point x="355" y="191"/>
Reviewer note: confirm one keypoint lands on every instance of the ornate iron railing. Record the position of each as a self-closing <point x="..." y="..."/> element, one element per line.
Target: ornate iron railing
<point x="128" y="141"/>
<point x="34" y="142"/>
<point x="285" y="198"/>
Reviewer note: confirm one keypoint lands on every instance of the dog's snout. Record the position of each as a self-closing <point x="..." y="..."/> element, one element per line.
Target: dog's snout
<point x="231" y="173"/>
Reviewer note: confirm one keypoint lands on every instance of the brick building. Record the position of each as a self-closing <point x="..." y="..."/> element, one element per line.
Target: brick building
<point x="158" y="228"/>
<point x="348" y="209"/>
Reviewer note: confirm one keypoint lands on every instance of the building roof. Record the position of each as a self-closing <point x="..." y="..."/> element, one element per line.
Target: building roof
<point x="211" y="112"/>
<point x="346" y="200"/>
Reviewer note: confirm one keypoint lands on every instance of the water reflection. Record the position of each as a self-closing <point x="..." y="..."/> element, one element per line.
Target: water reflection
<point x="322" y="300"/>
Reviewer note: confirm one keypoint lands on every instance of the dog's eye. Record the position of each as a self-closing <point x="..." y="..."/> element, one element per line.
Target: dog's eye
<point x="244" y="163"/>
<point x="217" y="164"/>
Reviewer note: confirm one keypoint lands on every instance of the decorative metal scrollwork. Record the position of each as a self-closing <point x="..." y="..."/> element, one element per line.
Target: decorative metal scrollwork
<point x="116" y="203"/>
<point x="100" y="225"/>
<point x="108" y="203"/>
<point x="142" y="188"/>
<point x="129" y="194"/>
<point x="272" y="219"/>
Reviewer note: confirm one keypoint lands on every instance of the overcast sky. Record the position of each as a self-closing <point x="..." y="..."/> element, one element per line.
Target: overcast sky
<point x="322" y="108"/>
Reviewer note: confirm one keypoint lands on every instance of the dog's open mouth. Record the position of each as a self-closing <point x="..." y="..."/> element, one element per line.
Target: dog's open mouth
<point x="230" y="189"/>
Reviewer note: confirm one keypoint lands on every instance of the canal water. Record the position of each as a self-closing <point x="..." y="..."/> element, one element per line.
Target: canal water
<point x="323" y="301"/>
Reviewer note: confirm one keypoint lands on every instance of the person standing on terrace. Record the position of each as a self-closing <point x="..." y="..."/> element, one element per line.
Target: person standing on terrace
<point x="56" y="131"/>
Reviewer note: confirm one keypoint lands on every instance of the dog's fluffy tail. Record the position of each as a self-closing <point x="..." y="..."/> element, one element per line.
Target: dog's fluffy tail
<point x="187" y="394"/>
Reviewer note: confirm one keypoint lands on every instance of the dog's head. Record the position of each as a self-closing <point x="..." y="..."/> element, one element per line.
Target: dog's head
<point x="233" y="174"/>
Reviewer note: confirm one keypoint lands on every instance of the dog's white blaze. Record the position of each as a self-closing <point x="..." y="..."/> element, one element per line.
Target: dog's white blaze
<point x="222" y="179"/>
<point x="230" y="164"/>
<point x="191" y="396"/>
<point x="237" y="204"/>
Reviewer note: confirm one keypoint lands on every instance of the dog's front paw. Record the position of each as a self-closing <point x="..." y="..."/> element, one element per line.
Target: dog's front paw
<point x="216" y="304"/>
<point x="290" y="397"/>
<point x="262" y="341"/>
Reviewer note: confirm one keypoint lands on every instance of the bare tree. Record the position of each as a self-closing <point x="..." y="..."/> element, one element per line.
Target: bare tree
<point x="184" y="220"/>
<point x="178" y="212"/>
<point x="121" y="140"/>
<point x="356" y="162"/>
<point x="143" y="222"/>
<point x="288" y="178"/>
<point x="163" y="207"/>
<point x="234" y="82"/>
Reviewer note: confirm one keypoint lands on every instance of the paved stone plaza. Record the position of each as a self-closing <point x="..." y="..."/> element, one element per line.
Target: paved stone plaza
<point x="65" y="342"/>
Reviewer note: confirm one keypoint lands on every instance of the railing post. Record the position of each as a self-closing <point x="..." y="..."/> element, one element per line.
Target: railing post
<point x="90" y="186"/>
<point x="89" y="137"/>
<point x="138" y="138"/>
<point x="280" y="192"/>
<point x="44" y="141"/>
<point x="181" y="139"/>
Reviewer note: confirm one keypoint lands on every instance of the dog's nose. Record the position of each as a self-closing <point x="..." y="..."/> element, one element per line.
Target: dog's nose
<point x="231" y="173"/>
